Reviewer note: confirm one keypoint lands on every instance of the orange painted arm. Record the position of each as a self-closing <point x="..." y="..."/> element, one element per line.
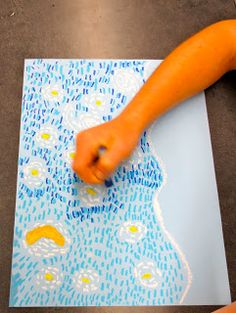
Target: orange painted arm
<point x="191" y="67"/>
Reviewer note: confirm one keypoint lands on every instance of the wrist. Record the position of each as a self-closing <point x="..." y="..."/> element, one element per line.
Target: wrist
<point x="131" y="121"/>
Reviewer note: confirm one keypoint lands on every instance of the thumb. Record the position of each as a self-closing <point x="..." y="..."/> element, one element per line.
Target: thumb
<point x="108" y="162"/>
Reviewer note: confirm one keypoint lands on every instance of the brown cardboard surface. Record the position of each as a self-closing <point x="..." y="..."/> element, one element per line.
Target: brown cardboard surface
<point x="108" y="29"/>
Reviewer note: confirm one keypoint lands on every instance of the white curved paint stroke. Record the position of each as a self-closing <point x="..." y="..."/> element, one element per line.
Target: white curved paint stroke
<point x="158" y="213"/>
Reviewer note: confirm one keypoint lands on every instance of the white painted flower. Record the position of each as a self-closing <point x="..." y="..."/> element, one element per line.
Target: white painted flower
<point x="78" y="121"/>
<point x="96" y="102"/>
<point x="127" y="82"/>
<point x="149" y="67"/>
<point x="91" y="194"/>
<point x="132" y="231"/>
<point x="147" y="274"/>
<point x="47" y="244"/>
<point x="69" y="155"/>
<point x="49" y="278"/>
<point x="34" y="174"/>
<point x="53" y="93"/>
<point x="86" y="281"/>
<point x="47" y="137"/>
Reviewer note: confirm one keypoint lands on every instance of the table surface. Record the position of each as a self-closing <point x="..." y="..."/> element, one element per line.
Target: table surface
<point x="109" y="29"/>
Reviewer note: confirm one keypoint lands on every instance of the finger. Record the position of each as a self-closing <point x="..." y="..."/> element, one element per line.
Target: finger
<point x="86" y="151"/>
<point x="86" y="173"/>
<point x="108" y="162"/>
<point x="89" y="177"/>
<point x="86" y="148"/>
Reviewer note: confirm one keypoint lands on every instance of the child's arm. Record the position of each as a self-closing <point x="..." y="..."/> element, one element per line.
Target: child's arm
<point x="228" y="309"/>
<point x="191" y="67"/>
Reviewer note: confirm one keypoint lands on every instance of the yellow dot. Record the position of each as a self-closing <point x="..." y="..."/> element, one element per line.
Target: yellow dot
<point x="45" y="136"/>
<point x="85" y="280"/>
<point x="133" y="229"/>
<point x="34" y="172"/>
<point x="54" y="93"/>
<point x="91" y="191"/>
<point x="72" y="155"/>
<point x="49" y="276"/>
<point x="146" y="276"/>
<point x="98" y="102"/>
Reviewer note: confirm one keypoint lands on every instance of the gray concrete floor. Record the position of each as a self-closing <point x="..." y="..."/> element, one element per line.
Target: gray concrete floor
<point x="108" y="29"/>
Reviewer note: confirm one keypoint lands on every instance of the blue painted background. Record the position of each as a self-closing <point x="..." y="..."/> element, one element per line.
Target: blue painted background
<point x="116" y="251"/>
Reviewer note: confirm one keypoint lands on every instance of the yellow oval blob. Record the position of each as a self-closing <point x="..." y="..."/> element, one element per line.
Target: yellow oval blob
<point x="91" y="191"/>
<point x="48" y="276"/>
<point x="34" y="172"/>
<point x="146" y="276"/>
<point x="133" y="229"/>
<point x="85" y="280"/>
<point x="72" y="155"/>
<point x="45" y="136"/>
<point x="98" y="102"/>
<point x="54" y="93"/>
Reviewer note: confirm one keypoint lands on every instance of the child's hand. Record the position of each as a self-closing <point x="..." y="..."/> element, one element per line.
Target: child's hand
<point x="191" y="67"/>
<point x="117" y="136"/>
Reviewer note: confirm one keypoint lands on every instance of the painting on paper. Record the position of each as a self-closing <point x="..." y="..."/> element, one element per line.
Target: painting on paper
<point x="89" y="245"/>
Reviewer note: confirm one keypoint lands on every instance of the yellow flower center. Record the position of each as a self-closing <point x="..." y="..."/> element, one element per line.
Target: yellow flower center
<point x="86" y="280"/>
<point x="98" y="102"/>
<point x="48" y="276"/>
<point x="91" y="191"/>
<point x="45" y="136"/>
<point x="54" y="93"/>
<point x="72" y="155"/>
<point x="146" y="276"/>
<point x="133" y="229"/>
<point x="34" y="172"/>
